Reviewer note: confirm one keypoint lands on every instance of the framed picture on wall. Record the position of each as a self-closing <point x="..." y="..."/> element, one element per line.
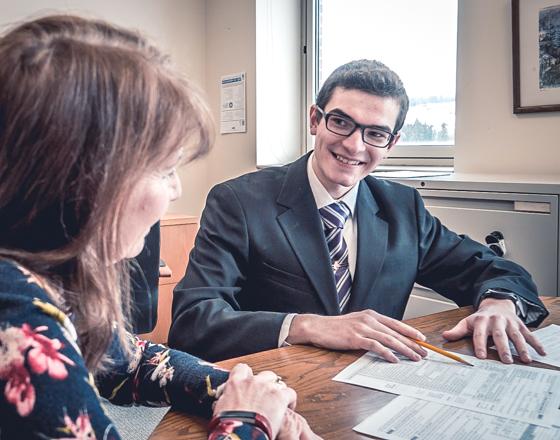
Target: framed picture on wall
<point x="536" y="55"/>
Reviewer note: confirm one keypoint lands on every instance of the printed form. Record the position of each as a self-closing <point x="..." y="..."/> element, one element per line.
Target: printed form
<point x="550" y="339"/>
<point x="518" y="392"/>
<point x="406" y="418"/>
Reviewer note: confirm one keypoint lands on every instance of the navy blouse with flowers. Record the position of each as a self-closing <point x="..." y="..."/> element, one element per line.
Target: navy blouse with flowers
<point x="46" y="392"/>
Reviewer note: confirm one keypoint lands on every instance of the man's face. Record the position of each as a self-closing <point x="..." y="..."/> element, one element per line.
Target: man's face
<point x="338" y="161"/>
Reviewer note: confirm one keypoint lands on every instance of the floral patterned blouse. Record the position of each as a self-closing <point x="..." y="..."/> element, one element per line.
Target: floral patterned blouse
<point x="46" y="392"/>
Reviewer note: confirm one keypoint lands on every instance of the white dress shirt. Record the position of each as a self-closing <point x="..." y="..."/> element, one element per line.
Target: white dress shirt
<point x="350" y="232"/>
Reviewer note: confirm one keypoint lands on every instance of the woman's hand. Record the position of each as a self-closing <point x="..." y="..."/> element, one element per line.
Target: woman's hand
<point x="263" y="393"/>
<point x="295" y="427"/>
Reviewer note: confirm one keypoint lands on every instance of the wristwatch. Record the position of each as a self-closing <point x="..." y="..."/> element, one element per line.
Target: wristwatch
<point x="520" y="307"/>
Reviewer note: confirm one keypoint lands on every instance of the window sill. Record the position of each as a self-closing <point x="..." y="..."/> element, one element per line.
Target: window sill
<point x="411" y="172"/>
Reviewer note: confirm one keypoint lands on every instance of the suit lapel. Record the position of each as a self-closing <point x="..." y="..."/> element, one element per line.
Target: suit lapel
<point x="302" y="226"/>
<point x="372" y="245"/>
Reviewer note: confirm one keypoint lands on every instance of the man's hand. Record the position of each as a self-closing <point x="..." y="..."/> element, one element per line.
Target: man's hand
<point x="365" y="330"/>
<point x="496" y="318"/>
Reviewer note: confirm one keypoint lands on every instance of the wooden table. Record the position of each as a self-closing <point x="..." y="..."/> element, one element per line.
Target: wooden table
<point x="332" y="408"/>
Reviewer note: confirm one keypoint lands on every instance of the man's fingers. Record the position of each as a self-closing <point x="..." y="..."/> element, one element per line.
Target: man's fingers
<point x="480" y="337"/>
<point x="400" y="327"/>
<point x="406" y="341"/>
<point x="500" y="337"/>
<point x="391" y="338"/>
<point x="379" y="349"/>
<point x="520" y="344"/>
<point x="400" y="344"/>
<point x="459" y="331"/>
<point x="532" y="340"/>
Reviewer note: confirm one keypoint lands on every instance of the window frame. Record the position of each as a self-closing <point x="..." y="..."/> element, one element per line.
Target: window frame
<point x="417" y="156"/>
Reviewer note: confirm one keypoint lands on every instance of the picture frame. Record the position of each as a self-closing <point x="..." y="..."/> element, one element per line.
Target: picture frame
<point x="536" y="55"/>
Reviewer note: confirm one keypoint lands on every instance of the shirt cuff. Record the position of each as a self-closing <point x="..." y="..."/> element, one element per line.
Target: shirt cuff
<point x="285" y="330"/>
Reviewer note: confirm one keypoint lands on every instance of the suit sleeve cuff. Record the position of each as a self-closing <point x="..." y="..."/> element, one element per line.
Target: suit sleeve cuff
<point x="529" y="312"/>
<point x="285" y="330"/>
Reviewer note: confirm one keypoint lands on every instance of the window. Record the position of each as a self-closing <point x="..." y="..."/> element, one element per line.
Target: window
<point x="416" y="39"/>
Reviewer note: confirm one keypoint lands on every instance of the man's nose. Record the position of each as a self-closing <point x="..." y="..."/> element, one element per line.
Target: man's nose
<point x="354" y="142"/>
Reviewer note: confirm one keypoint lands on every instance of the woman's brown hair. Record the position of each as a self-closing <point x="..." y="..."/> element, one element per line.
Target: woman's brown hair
<point x="86" y="108"/>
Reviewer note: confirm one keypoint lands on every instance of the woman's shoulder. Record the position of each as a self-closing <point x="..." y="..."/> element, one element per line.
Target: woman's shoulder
<point x="26" y="298"/>
<point x="19" y="283"/>
<point x="45" y="387"/>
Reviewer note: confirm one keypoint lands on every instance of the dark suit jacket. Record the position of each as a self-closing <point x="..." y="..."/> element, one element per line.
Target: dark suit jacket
<point x="261" y="253"/>
<point x="144" y="278"/>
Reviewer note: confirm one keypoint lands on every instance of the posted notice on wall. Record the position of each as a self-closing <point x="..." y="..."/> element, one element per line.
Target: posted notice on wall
<point x="232" y="98"/>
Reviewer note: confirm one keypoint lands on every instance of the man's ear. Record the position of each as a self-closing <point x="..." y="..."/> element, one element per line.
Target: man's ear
<point x="313" y="123"/>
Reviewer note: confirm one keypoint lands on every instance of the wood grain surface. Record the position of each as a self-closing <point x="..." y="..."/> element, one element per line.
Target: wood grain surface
<point x="332" y="408"/>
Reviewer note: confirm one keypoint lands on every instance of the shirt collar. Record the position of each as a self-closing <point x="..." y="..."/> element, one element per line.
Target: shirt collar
<point x="322" y="196"/>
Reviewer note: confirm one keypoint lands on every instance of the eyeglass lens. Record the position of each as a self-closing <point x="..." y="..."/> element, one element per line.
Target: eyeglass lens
<point x="345" y="127"/>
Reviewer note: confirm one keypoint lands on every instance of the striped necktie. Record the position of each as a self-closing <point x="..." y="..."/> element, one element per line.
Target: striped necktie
<point x="334" y="216"/>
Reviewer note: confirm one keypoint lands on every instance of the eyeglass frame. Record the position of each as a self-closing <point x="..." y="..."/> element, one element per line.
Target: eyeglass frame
<point x="362" y="127"/>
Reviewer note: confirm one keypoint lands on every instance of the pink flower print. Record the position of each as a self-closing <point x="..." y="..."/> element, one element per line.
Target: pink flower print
<point x="44" y="354"/>
<point x="13" y="343"/>
<point x="20" y="392"/>
<point x="163" y="373"/>
<point x="81" y="429"/>
<point x="140" y="343"/>
<point x="159" y="357"/>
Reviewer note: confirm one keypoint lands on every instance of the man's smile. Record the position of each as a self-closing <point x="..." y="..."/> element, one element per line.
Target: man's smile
<point x="346" y="161"/>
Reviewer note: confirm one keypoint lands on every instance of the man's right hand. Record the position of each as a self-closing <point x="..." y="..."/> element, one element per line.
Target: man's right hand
<point x="365" y="330"/>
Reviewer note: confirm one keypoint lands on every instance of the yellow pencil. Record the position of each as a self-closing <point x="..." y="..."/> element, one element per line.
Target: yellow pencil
<point x="442" y="352"/>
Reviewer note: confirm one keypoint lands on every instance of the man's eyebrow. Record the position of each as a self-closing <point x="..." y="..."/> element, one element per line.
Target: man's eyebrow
<point x="343" y="113"/>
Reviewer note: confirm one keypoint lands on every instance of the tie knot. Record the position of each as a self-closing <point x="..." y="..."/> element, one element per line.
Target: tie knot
<point x="334" y="215"/>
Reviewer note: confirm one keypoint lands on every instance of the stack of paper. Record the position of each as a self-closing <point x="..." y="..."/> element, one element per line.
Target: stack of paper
<point x="442" y="399"/>
<point x="550" y="338"/>
<point x="409" y="418"/>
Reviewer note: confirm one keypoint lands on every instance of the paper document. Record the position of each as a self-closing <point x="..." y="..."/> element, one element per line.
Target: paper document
<point x="550" y="338"/>
<point x="232" y="96"/>
<point x="517" y="392"/>
<point x="406" y="418"/>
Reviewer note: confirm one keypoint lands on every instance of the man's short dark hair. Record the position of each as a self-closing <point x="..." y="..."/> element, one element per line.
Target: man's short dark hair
<point x="369" y="76"/>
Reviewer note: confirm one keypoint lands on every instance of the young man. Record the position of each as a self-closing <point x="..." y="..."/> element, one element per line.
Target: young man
<point x="319" y="252"/>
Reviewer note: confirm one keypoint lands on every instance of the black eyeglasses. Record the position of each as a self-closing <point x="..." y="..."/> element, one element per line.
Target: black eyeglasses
<point x="345" y="126"/>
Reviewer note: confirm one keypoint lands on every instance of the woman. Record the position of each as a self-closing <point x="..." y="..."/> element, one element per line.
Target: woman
<point x="93" y="123"/>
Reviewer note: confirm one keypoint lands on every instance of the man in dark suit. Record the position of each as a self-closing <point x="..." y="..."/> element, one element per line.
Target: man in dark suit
<point x="319" y="252"/>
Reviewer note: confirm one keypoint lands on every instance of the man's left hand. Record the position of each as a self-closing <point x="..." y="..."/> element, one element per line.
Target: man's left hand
<point x="496" y="318"/>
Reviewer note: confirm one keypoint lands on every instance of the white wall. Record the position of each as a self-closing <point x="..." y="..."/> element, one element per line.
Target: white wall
<point x="211" y="38"/>
<point x="176" y="26"/>
<point x="489" y="137"/>
<point x="230" y="48"/>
